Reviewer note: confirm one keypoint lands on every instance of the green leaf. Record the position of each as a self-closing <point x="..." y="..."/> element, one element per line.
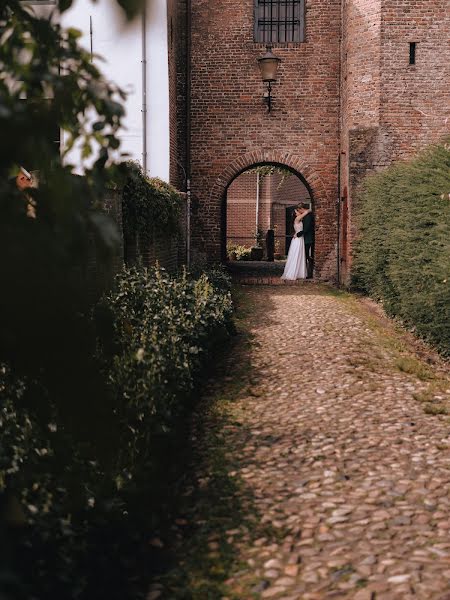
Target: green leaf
<point x="64" y="5"/>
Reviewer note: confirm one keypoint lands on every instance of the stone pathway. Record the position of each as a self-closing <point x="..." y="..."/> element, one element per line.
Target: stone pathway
<point x="349" y="476"/>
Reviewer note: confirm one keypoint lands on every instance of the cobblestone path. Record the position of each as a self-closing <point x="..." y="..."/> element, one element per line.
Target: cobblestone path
<point x="346" y="470"/>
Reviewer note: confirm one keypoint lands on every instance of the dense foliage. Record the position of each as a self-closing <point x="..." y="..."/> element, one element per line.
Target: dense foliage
<point x="148" y="204"/>
<point x="70" y="512"/>
<point x="89" y="496"/>
<point x="402" y="256"/>
<point x="48" y="83"/>
<point x="238" y="252"/>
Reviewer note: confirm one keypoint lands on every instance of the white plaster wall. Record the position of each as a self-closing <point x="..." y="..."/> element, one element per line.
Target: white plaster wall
<point x="158" y="137"/>
<point x="120" y="45"/>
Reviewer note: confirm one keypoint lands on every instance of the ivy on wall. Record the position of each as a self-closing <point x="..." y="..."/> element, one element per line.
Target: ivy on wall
<point x="148" y="204"/>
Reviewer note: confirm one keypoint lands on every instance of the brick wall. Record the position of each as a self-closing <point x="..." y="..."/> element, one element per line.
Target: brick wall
<point x="169" y="251"/>
<point x="241" y="209"/>
<point x="176" y="19"/>
<point x="101" y="269"/>
<point x="360" y="102"/>
<point x="390" y="109"/>
<point x="232" y="131"/>
<point x="347" y="96"/>
<point x="415" y="108"/>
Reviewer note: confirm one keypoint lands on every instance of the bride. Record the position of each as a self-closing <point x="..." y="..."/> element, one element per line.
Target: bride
<point x="296" y="261"/>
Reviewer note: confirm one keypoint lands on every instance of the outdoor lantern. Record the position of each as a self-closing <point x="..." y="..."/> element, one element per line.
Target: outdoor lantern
<point x="268" y="65"/>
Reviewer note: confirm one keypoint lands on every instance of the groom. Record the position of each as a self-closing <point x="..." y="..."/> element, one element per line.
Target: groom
<point x="308" y="236"/>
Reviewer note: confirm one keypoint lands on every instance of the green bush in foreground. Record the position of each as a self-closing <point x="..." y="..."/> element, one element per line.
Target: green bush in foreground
<point x="86" y="504"/>
<point x="402" y="256"/>
<point x="164" y="329"/>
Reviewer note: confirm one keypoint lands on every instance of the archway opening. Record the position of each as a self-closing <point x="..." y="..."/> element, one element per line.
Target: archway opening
<point x="258" y="215"/>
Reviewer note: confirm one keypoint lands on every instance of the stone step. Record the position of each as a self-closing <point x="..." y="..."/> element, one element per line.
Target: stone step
<point x="268" y="280"/>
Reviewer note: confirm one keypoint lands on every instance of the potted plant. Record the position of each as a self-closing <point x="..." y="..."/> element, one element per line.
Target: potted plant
<point x="232" y="251"/>
<point x="257" y="252"/>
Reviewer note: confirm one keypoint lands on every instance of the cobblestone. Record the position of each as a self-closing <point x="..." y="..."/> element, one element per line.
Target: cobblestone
<point x="340" y="459"/>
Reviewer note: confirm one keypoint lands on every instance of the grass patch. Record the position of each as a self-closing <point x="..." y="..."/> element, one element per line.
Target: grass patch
<point x="435" y="409"/>
<point x="390" y="348"/>
<point x="413" y="366"/>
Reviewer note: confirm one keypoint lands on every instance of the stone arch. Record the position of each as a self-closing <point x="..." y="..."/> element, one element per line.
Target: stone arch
<point x="299" y="167"/>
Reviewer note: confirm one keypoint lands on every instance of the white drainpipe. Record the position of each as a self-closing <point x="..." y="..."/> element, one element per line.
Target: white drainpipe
<point x="257" y="206"/>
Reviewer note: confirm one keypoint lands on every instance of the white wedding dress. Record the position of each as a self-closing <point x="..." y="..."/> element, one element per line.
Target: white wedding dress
<point x="296" y="261"/>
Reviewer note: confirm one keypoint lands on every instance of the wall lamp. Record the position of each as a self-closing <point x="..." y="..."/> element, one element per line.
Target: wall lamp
<point x="268" y="65"/>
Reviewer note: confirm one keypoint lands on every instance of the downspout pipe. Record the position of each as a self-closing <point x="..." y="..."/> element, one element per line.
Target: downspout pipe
<point x="188" y="129"/>
<point x="339" y="162"/>
<point x="144" y="88"/>
<point x="257" y="208"/>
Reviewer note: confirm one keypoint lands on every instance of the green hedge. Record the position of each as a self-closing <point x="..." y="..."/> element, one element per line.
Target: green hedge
<point x="85" y="497"/>
<point x="402" y="255"/>
<point x="164" y="330"/>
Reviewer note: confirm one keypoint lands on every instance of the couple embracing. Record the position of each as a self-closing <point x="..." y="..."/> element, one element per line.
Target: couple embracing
<point x="299" y="260"/>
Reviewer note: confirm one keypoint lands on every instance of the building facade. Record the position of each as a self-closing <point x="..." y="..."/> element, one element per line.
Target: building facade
<point x="395" y="92"/>
<point x="232" y="130"/>
<point x="361" y="83"/>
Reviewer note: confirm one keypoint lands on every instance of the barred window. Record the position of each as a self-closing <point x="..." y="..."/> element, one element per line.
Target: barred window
<point x="278" y="21"/>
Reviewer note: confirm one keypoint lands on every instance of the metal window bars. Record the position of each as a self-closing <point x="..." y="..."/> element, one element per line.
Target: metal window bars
<point x="279" y="21"/>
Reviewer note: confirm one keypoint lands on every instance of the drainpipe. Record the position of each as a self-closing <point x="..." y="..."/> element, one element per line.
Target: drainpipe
<point x="257" y="207"/>
<point x="188" y="131"/>
<point x="338" y="203"/>
<point x="338" y="210"/>
<point x="188" y="223"/>
<point x="144" y="88"/>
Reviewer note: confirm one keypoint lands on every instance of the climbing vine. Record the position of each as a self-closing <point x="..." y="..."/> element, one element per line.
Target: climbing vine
<point x="148" y="204"/>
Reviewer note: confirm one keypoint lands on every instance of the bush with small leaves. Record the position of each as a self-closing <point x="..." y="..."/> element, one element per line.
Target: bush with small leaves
<point x="402" y="255"/>
<point x="87" y="493"/>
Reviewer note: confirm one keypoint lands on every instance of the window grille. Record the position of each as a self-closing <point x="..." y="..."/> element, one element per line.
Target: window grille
<point x="279" y="21"/>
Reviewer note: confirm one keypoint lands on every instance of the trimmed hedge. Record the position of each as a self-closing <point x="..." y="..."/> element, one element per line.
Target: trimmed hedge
<point x="164" y="331"/>
<point x="86" y="501"/>
<point x="402" y="255"/>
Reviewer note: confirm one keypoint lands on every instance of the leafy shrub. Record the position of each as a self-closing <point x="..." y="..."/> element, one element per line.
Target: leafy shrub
<point x="217" y="275"/>
<point x="89" y="501"/>
<point x="241" y="252"/>
<point x="402" y="256"/>
<point x="163" y="330"/>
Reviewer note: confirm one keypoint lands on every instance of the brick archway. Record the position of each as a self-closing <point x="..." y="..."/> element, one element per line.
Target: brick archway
<point x="299" y="167"/>
<point x="309" y="177"/>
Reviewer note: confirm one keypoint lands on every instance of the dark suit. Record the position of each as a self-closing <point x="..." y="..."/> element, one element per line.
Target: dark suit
<point x="308" y="236"/>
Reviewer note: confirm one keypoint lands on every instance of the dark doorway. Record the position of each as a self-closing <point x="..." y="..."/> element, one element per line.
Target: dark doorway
<point x="289" y="226"/>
